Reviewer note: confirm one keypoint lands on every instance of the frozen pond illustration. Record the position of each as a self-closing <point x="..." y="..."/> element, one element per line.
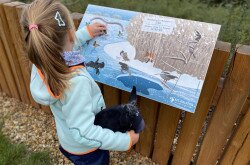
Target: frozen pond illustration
<point x="165" y="58"/>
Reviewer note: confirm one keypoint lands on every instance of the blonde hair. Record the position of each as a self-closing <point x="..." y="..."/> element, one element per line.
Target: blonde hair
<point x="46" y="44"/>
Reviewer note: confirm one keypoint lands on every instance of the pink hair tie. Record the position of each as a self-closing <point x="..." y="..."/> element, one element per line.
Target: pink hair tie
<point x="33" y="26"/>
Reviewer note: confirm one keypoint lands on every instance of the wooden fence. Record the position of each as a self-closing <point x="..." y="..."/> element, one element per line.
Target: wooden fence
<point x="223" y="142"/>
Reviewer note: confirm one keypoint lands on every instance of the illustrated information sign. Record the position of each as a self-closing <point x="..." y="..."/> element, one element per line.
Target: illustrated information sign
<point x="165" y="58"/>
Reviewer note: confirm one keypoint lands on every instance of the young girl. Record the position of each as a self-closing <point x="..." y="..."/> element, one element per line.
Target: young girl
<point x="60" y="80"/>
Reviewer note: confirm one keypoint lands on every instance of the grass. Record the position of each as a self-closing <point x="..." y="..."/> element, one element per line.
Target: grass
<point x="18" y="154"/>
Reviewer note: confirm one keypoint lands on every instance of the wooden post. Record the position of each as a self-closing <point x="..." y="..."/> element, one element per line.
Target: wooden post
<point x="149" y="111"/>
<point x="3" y="79"/>
<point x="46" y="109"/>
<point x="242" y="156"/>
<point x="231" y="102"/>
<point x="1" y="76"/>
<point x="218" y="92"/>
<point x="124" y="97"/>
<point x="6" y="58"/>
<point x="235" y="148"/>
<point x="246" y="106"/>
<point x="166" y="127"/>
<point x="15" y="31"/>
<point x="193" y="123"/>
<point x="112" y="96"/>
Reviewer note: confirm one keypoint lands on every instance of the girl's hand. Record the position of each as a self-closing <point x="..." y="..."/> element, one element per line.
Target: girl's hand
<point x="134" y="137"/>
<point x="97" y="29"/>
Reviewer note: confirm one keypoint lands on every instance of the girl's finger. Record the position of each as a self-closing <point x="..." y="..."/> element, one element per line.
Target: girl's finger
<point x="99" y="33"/>
<point x="99" y="25"/>
<point x="102" y="28"/>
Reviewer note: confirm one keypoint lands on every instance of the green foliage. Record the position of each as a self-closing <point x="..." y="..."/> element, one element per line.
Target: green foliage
<point x="41" y="158"/>
<point x="224" y="2"/>
<point x="17" y="154"/>
<point x="233" y="15"/>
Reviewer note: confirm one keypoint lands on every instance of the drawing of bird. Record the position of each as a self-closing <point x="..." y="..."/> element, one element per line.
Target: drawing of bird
<point x="191" y="49"/>
<point x="96" y="65"/>
<point x="166" y="76"/>
<point x="96" y="44"/>
<point x="105" y="32"/>
<point x="197" y="36"/>
<point x="149" y="57"/>
<point x="120" y="33"/>
<point x="124" y="68"/>
<point x="124" y="55"/>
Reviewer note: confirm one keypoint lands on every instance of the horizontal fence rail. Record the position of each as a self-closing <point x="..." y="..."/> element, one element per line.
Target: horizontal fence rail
<point x="223" y="141"/>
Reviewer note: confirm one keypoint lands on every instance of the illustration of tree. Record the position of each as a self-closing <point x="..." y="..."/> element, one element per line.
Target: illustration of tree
<point x="187" y="50"/>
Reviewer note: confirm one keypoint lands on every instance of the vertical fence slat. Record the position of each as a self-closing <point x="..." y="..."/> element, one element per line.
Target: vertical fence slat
<point x="234" y="94"/>
<point x="149" y="111"/>
<point x="7" y="79"/>
<point x="165" y="132"/>
<point x="193" y="123"/>
<point x="246" y="106"/>
<point x="3" y="80"/>
<point x="6" y="59"/>
<point x="218" y="92"/>
<point x="19" y="10"/>
<point x="236" y="144"/>
<point x="46" y="109"/>
<point x="124" y="97"/>
<point x="111" y="95"/>
<point x="16" y="34"/>
<point x="243" y="156"/>
<point x="10" y="16"/>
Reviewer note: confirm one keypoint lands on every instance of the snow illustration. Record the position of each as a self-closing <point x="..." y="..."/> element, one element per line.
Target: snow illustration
<point x="165" y="58"/>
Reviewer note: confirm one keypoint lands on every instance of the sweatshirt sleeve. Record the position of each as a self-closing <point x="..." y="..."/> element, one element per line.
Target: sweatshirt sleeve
<point x="83" y="35"/>
<point x="77" y="108"/>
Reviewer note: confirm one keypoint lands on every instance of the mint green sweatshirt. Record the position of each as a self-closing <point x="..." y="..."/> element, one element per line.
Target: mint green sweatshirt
<point x="75" y="114"/>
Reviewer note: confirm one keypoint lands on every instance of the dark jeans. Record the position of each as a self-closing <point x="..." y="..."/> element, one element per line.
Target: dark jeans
<point x="98" y="157"/>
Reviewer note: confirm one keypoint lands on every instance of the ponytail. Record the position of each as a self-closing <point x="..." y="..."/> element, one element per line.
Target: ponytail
<point x="46" y="41"/>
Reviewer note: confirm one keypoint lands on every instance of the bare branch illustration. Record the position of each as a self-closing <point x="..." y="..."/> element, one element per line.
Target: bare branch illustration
<point x="171" y="66"/>
<point x="184" y="59"/>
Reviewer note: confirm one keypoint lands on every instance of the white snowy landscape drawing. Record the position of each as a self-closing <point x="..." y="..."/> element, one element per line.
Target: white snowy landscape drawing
<point x="165" y="58"/>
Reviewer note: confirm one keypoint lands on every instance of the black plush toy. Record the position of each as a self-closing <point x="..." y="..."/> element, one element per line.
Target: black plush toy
<point x="122" y="118"/>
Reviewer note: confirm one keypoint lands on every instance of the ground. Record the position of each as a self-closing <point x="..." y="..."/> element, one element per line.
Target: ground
<point x="36" y="129"/>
